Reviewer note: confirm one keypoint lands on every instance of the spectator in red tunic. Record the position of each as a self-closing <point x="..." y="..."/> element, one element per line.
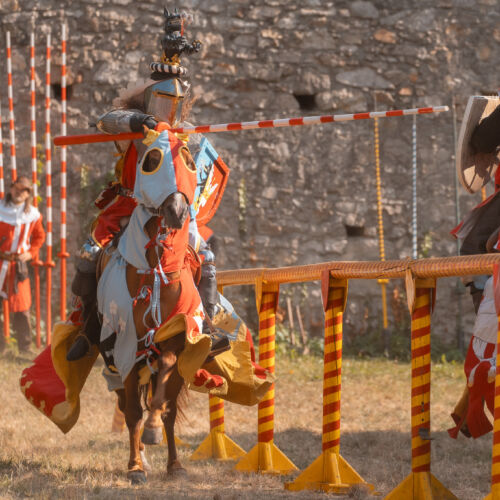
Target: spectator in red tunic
<point x="21" y="236"/>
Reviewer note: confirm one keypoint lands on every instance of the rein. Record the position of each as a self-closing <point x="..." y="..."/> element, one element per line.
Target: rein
<point x="151" y="294"/>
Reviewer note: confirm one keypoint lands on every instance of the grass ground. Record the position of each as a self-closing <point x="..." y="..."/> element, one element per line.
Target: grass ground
<point x="37" y="460"/>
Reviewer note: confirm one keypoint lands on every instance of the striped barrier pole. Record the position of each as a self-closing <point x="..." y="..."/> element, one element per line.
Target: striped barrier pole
<point x="5" y="305"/>
<point x="330" y="472"/>
<point x="265" y="457"/>
<point x="420" y="484"/>
<point x="217" y="445"/>
<point x="495" y="452"/>
<point x="63" y="254"/>
<point x="12" y="127"/>
<point x="36" y="262"/>
<point x="49" y="263"/>
<point x="232" y="127"/>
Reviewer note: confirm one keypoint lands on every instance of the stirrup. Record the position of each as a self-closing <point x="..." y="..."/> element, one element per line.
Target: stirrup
<point x="220" y="344"/>
<point x="79" y="349"/>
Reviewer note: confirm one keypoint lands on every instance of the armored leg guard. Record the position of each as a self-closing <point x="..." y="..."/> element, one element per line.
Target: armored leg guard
<point x="85" y="286"/>
<point x="209" y="298"/>
<point x="208" y="288"/>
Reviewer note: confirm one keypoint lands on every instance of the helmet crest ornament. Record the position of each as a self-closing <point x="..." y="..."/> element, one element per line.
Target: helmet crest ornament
<point x="174" y="44"/>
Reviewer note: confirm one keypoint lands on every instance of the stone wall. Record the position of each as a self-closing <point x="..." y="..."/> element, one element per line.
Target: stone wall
<point x="297" y="195"/>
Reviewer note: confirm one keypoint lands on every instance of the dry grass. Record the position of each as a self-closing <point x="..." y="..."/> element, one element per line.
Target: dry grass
<point x="37" y="460"/>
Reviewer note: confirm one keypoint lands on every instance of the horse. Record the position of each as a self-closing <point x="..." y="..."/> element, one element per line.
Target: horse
<point x="166" y="232"/>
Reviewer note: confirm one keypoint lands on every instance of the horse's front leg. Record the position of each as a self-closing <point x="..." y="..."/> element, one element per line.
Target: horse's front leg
<point x="133" y="419"/>
<point x="153" y="426"/>
<point x="173" y="389"/>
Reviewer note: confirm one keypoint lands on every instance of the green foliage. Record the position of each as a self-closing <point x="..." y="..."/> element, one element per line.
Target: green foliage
<point x="425" y="246"/>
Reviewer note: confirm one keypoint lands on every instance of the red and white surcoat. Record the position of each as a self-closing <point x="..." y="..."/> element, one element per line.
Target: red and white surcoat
<point x="20" y="232"/>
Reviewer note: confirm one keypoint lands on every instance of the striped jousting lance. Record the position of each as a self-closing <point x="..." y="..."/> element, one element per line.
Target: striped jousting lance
<point x="36" y="262"/>
<point x="230" y="127"/>
<point x="63" y="254"/>
<point x="49" y="263"/>
<point x="12" y="128"/>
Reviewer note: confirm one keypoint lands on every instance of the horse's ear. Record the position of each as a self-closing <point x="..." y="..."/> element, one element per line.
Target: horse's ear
<point x="166" y="13"/>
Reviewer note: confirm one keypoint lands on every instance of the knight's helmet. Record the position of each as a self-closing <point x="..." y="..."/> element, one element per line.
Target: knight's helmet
<point x="165" y="98"/>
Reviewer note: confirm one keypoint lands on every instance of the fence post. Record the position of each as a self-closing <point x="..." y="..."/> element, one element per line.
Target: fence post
<point x="495" y="452"/>
<point x="330" y="472"/>
<point x="217" y="445"/>
<point x="265" y="456"/>
<point x="420" y="484"/>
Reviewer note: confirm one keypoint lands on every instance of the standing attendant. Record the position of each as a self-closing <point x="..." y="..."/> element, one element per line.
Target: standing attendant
<point x="21" y="236"/>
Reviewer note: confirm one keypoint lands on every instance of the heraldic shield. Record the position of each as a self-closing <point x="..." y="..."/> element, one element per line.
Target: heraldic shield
<point x="212" y="175"/>
<point x="475" y="169"/>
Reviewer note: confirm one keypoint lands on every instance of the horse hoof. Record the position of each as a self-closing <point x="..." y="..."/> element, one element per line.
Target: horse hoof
<point x="136" y="476"/>
<point x="176" y="470"/>
<point x="152" y="435"/>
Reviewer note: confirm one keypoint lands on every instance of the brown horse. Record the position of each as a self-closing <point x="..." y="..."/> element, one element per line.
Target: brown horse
<point x="167" y="382"/>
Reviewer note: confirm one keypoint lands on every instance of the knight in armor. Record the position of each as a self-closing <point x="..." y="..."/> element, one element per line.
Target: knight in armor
<point x="158" y="103"/>
<point x="479" y="233"/>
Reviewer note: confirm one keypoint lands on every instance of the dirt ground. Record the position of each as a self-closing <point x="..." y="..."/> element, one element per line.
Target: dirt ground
<point x="37" y="460"/>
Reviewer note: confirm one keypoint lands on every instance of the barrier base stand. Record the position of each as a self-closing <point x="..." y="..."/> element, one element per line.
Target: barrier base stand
<point x="217" y="445"/>
<point x="329" y="473"/>
<point x="492" y="496"/>
<point x="420" y="486"/>
<point x="266" y="458"/>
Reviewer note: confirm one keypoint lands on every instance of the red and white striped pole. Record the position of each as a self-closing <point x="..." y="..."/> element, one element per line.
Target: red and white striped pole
<point x="63" y="254"/>
<point x="12" y="128"/>
<point x="36" y="262"/>
<point x="2" y="184"/>
<point x="49" y="263"/>
<point x="5" y="304"/>
<point x="231" y="127"/>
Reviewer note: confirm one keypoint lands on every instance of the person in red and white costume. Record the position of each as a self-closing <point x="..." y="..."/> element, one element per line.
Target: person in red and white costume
<point x="21" y="236"/>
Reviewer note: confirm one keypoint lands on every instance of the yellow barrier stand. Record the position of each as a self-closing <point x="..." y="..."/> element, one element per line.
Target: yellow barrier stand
<point x="217" y="445"/>
<point x="420" y="484"/>
<point x="330" y="472"/>
<point x="495" y="454"/>
<point x="265" y="457"/>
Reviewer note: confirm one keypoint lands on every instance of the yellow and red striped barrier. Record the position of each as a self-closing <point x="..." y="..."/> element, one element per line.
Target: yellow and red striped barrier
<point x="420" y="484"/>
<point x="265" y="456"/>
<point x="495" y="454"/>
<point x="329" y="472"/>
<point x="217" y="444"/>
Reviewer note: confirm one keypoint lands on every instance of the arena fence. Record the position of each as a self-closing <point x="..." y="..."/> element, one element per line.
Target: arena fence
<point x="330" y="472"/>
